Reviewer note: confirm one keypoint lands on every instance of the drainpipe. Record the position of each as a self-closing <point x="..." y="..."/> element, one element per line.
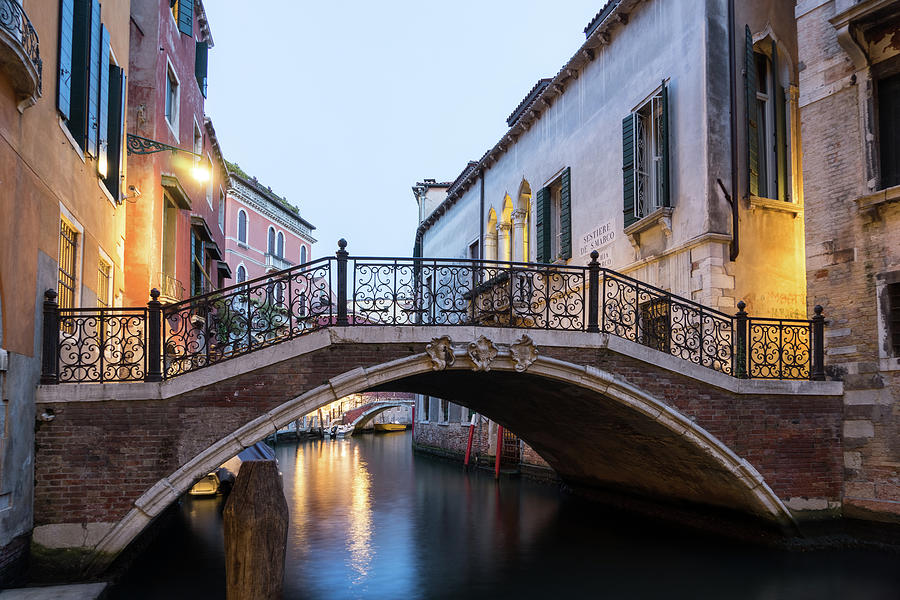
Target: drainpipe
<point x="735" y="231"/>
<point x="481" y="218"/>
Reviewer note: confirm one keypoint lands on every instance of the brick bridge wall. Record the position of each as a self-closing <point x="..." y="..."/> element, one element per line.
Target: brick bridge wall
<point x="605" y="413"/>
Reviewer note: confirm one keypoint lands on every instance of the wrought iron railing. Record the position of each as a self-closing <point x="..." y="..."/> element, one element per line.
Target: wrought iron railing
<point x="163" y="341"/>
<point x="14" y="21"/>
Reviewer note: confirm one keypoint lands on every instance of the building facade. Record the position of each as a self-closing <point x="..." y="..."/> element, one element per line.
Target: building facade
<point x="850" y="114"/>
<point x="63" y="67"/>
<point x="265" y="232"/>
<point x="669" y="143"/>
<point x="176" y="222"/>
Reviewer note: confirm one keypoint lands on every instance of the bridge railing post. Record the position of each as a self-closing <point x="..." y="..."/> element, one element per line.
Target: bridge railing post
<point x="342" y="255"/>
<point x="593" y="324"/>
<point x="50" y="341"/>
<point x="740" y="349"/>
<point x="817" y="373"/>
<point x="153" y="342"/>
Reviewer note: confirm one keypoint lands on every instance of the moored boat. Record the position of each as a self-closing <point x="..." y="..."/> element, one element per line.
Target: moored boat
<point x="389" y="427"/>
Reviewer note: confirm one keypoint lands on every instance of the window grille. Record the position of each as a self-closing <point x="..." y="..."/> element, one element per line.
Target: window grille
<point x="68" y="239"/>
<point x="649" y="175"/>
<point x="893" y="290"/>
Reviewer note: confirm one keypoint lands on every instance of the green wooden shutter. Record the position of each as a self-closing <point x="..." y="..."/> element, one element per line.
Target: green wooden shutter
<point x="779" y="100"/>
<point x="201" y="61"/>
<point x="81" y="38"/>
<point x="752" y="131"/>
<point x="628" y="169"/>
<point x="116" y="126"/>
<point x="103" y="106"/>
<point x="93" y="80"/>
<point x="64" y="73"/>
<point x="542" y="225"/>
<point x="664" y="140"/>
<point x="186" y="17"/>
<point x="565" y="215"/>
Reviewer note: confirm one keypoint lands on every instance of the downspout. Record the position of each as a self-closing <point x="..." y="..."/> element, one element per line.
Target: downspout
<point x="481" y="217"/>
<point x="735" y="231"/>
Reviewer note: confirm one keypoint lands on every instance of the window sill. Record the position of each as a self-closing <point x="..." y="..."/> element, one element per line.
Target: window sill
<point x="68" y="134"/>
<point x="877" y="199"/>
<point x="761" y="203"/>
<point x="661" y="218"/>
<point x="889" y="364"/>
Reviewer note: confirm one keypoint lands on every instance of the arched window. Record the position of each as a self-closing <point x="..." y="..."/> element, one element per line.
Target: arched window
<point x="241" y="274"/>
<point x="520" y="222"/>
<point x="505" y="236"/>
<point x="302" y="255"/>
<point x="490" y="236"/>
<point x="242" y="227"/>
<point x="270" y="246"/>
<point x="279" y="248"/>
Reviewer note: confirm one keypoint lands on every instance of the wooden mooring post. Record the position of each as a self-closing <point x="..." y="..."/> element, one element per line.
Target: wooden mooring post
<point x="256" y="526"/>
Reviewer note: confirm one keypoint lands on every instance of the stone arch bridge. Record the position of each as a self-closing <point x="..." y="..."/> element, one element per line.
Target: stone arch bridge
<point x="621" y="387"/>
<point x="364" y="413"/>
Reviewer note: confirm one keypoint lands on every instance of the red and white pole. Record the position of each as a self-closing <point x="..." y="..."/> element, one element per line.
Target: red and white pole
<point x="469" y="443"/>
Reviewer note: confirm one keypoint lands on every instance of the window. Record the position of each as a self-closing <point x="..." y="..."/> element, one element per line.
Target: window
<point x="645" y="154"/>
<point x="170" y="216"/>
<point x="183" y="13"/>
<point x="302" y="255"/>
<point x="171" y="104"/>
<point x="104" y="283"/>
<point x="241" y="274"/>
<point x="68" y="247"/>
<point x="654" y="323"/>
<point x="893" y="316"/>
<point x="279" y="245"/>
<point x="888" y="128"/>
<point x="198" y="138"/>
<point x="222" y="211"/>
<point x="553" y="224"/>
<point x="242" y="226"/>
<point x="767" y="150"/>
<point x="198" y="268"/>
<point x="473" y="250"/>
<point x="270" y="242"/>
<point x="201" y="61"/>
<point x="209" y="182"/>
<point x="445" y="411"/>
<point x="90" y="87"/>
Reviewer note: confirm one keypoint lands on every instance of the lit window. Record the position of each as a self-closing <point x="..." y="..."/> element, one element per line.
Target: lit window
<point x="104" y="283"/>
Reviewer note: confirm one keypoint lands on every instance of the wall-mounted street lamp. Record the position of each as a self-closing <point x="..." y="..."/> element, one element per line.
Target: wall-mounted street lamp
<point x="136" y="144"/>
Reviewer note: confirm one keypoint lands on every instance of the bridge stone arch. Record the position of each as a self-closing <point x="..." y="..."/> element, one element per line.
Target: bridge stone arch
<point x="362" y="415"/>
<point x="604" y="412"/>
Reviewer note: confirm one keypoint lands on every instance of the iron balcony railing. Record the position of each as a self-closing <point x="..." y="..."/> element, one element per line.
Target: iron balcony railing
<point x="15" y="22"/>
<point x="163" y="341"/>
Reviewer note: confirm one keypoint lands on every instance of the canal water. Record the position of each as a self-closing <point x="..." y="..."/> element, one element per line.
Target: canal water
<point x="371" y="520"/>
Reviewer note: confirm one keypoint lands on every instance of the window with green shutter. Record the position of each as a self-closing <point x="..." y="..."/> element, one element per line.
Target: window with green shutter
<point x="184" y="9"/>
<point x="64" y="73"/>
<point x="74" y="76"/>
<point x="553" y="223"/>
<point x="766" y="122"/>
<point x="116" y="126"/>
<point x="645" y="157"/>
<point x="103" y="106"/>
<point x="542" y="225"/>
<point x="93" y="80"/>
<point x="200" y="65"/>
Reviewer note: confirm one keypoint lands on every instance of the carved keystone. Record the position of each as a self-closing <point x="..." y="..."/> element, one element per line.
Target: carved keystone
<point x="441" y="352"/>
<point x="482" y="351"/>
<point x="524" y="353"/>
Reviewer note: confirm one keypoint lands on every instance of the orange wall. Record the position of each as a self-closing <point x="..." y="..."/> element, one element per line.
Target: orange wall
<point x="41" y="170"/>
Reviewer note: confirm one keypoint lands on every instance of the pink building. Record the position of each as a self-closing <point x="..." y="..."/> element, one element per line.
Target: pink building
<point x="265" y="233"/>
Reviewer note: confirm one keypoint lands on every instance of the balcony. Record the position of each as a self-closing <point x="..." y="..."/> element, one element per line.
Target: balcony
<point x="20" y="56"/>
<point x="170" y="288"/>
<point x="277" y="263"/>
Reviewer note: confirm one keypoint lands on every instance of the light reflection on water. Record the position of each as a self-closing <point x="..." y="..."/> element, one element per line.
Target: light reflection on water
<point x="370" y="520"/>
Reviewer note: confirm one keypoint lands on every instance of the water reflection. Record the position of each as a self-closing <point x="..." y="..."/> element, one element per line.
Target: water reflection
<point x="370" y="520"/>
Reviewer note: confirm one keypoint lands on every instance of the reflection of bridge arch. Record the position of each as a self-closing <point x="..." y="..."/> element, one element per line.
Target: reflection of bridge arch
<point x="359" y="416"/>
<point x="615" y="435"/>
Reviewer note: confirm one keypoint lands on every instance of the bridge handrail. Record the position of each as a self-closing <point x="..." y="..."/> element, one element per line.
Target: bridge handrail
<point x="162" y="341"/>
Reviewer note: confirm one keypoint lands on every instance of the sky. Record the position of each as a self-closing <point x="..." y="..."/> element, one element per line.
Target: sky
<point x="343" y="106"/>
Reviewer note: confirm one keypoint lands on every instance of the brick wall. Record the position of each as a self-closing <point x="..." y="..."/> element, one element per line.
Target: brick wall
<point x="849" y="249"/>
<point x="95" y="458"/>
